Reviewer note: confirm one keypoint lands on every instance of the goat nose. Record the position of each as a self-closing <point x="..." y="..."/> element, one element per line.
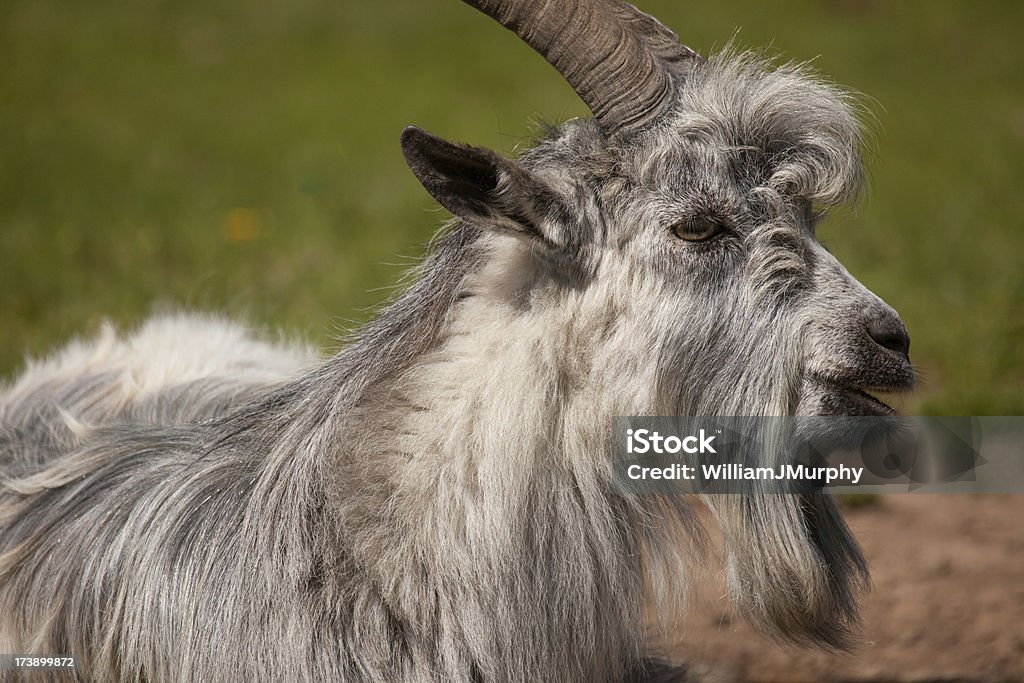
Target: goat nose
<point x="889" y="332"/>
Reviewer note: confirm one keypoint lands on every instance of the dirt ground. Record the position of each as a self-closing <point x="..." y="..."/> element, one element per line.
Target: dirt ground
<point x="947" y="603"/>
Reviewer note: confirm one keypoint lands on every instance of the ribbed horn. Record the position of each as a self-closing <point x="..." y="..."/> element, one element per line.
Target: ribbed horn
<point x="621" y="62"/>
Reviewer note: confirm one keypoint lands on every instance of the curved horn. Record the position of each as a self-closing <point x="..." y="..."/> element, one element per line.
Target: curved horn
<point x="620" y="61"/>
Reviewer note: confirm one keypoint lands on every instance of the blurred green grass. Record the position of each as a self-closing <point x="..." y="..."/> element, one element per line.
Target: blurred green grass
<point x="243" y="157"/>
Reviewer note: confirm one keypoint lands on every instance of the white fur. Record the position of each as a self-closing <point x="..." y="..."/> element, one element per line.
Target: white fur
<point x="166" y="350"/>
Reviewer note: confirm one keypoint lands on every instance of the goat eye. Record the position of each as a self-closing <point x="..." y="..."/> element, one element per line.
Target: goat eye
<point x="697" y="229"/>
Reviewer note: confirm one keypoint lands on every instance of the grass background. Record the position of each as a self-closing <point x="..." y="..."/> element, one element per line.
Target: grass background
<point x="243" y="157"/>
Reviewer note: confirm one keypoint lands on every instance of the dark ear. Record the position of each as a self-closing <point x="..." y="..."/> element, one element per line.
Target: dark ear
<point x="475" y="183"/>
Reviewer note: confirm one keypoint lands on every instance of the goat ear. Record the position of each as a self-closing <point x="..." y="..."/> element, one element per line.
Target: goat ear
<point x="477" y="184"/>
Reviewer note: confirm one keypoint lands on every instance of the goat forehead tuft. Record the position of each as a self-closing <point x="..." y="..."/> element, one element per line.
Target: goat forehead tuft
<point x="785" y="129"/>
<point x="743" y="94"/>
<point x="738" y="120"/>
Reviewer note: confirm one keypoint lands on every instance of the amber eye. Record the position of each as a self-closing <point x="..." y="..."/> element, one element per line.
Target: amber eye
<point x="697" y="229"/>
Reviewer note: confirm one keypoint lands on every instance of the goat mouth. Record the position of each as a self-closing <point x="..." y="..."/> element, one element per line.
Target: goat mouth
<point x="840" y="399"/>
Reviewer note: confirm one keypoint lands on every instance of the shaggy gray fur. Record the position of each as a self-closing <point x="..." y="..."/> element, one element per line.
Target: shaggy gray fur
<point x="434" y="502"/>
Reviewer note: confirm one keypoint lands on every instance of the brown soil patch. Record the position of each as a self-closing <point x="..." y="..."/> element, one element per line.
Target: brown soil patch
<point x="947" y="603"/>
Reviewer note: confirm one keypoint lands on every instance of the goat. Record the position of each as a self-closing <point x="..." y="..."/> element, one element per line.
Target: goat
<point x="434" y="502"/>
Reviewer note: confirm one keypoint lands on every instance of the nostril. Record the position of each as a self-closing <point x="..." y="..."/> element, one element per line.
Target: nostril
<point x="891" y="333"/>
